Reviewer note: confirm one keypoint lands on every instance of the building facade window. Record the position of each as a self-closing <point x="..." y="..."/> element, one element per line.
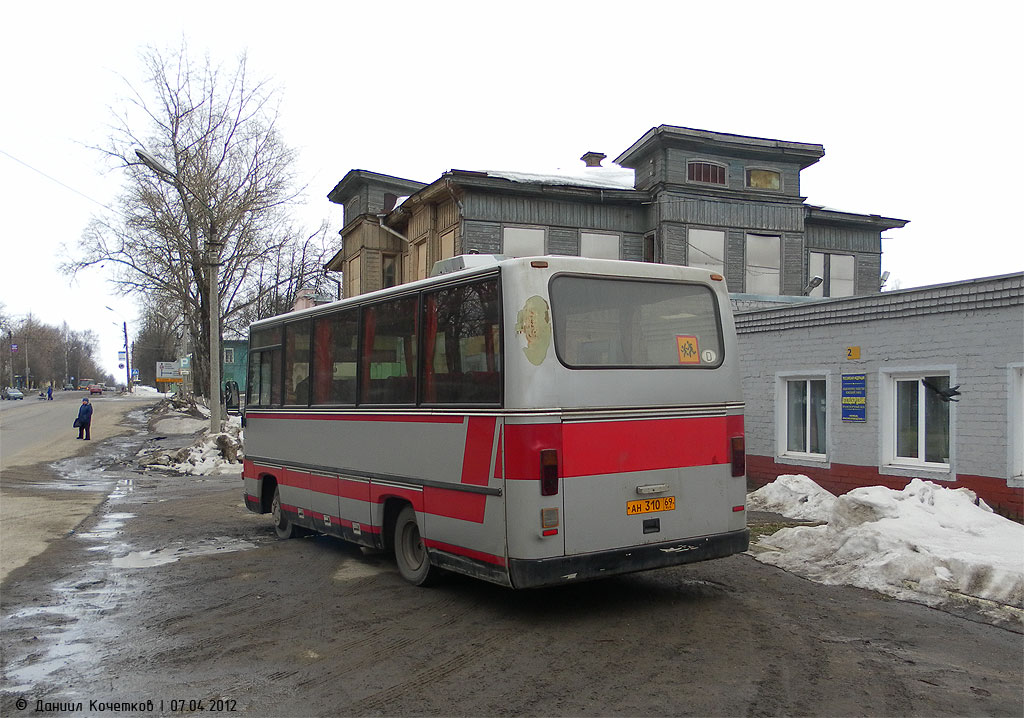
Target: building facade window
<point x="419" y="259"/>
<point x="838" y="272"/>
<point x="804" y="425"/>
<point x="764" y="179"/>
<point x="389" y="270"/>
<point x="522" y="242"/>
<point x="599" y="245"/>
<point x="229" y="355"/>
<point x="705" y="172"/>
<point x="650" y="247"/>
<point x="764" y="264"/>
<point x="352" y="278"/>
<point x="448" y="244"/>
<point x="1016" y="412"/>
<point x="916" y="419"/>
<point x="706" y="249"/>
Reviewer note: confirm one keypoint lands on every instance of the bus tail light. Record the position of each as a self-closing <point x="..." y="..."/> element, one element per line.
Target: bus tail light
<point x="548" y="472"/>
<point x="738" y="452"/>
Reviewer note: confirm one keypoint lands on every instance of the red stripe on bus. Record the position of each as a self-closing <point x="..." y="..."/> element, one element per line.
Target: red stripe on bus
<point x="476" y="460"/>
<point x="380" y="494"/>
<point x="467" y="552"/>
<point x="454" y="504"/>
<point x="498" y="470"/>
<point x="626" y="446"/>
<point x="317" y="416"/>
<point x="523" y="444"/>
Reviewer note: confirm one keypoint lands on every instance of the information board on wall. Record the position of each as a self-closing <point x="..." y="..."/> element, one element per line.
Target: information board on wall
<point x="855" y="397"/>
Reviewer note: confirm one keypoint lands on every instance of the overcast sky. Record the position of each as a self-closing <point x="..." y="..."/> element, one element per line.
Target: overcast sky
<point x="915" y="103"/>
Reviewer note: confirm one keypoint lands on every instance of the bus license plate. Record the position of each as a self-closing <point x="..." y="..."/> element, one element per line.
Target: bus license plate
<point x="650" y="506"/>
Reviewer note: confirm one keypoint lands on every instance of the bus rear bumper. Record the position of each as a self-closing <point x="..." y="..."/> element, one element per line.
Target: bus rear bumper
<point x="531" y="573"/>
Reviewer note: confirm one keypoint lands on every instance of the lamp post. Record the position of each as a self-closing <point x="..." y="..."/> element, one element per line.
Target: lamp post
<point x="212" y="261"/>
<point x="127" y="353"/>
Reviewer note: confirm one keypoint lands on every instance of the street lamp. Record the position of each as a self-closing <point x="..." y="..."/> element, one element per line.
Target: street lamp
<point x="212" y="263"/>
<point x="127" y="355"/>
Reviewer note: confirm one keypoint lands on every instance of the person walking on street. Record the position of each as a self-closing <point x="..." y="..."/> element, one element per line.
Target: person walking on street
<point x="84" y="420"/>
<point x="49" y="393"/>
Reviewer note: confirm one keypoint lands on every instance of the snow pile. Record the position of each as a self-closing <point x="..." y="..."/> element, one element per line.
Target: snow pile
<point x="926" y="543"/>
<point x="795" y="496"/>
<point x="143" y="390"/>
<point x="180" y="425"/>
<point x="214" y="453"/>
<point x="612" y="177"/>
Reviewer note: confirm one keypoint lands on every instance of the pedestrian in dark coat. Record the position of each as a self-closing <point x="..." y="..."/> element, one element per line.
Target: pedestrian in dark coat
<point x="84" y="419"/>
<point x="49" y="393"/>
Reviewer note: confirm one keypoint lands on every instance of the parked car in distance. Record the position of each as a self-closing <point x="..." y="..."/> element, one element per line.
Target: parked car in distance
<point x="95" y="389"/>
<point x="12" y="393"/>
<point x="69" y="387"/>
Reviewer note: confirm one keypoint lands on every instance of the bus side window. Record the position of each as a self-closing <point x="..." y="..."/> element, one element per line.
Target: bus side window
<point x="462" y="357"/>
<point x="296" y="363"/>
<point x="335" y="353"/>
<point x="389" y="352"/>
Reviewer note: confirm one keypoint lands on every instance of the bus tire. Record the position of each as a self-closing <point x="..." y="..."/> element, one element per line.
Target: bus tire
<point x="410" y="552"/>
<point x="284" y="528"/>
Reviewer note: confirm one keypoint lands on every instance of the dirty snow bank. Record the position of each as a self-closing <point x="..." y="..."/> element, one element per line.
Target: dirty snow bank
<point x="926" y="543"/>
<point x="209" y="454"/>
<point x="795" y="496"/>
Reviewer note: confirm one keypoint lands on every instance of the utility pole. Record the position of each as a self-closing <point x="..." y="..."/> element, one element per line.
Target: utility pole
<point x="212" y="261"/>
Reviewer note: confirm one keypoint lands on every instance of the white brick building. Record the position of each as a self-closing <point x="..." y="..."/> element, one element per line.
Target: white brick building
<point x="893" y="355"/>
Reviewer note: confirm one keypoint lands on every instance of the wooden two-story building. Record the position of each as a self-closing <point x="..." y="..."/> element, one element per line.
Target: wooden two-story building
<point x="726" y="202"/>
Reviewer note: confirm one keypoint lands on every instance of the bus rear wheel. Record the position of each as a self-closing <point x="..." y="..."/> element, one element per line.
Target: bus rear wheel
<point x="410" y="552"/>
<point x="285" y="529"/>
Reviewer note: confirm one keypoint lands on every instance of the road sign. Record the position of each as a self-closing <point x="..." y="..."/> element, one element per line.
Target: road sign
<point x="14" y="348"/>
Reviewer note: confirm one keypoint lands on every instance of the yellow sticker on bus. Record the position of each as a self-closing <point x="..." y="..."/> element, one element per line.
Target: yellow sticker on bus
<point x="689" y="352"/>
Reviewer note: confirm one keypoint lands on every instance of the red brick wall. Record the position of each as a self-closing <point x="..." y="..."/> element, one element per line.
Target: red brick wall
<point x="840" y="478"/>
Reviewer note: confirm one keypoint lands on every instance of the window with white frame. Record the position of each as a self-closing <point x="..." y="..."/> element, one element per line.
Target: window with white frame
<point x="1017" y="423"/>
<point x="599" y="245"/>
<point x="706" y="249"/>
<point x="918" y="420"/>
<point x="522" y="242"/>
<point x="804" y="420"/>
<point x="837" y="271"/>
<point x="764" y="264"/>
<point x="229" y="355"/>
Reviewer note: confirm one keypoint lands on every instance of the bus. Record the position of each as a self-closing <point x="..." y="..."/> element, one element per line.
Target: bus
<point x="529" y="422"/>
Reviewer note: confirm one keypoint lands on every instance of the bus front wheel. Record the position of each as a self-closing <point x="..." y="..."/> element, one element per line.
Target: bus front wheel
<point x="410" y="552"/>
<point x="285" y="529"/>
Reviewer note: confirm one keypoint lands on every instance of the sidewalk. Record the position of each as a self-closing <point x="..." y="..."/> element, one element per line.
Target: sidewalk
<point x="34" y="510"/>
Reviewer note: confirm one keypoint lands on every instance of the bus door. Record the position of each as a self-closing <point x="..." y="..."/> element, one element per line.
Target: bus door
<point x="629" y="482"/>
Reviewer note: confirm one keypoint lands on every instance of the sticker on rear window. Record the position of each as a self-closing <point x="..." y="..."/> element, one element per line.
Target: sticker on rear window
<point x="689" y="352"/>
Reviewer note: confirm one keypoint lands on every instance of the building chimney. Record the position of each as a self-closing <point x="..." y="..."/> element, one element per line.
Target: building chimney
<point x="593" y="159"/>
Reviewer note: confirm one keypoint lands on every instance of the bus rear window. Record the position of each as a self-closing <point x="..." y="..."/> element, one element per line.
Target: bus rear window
<point x="632" y="323"/>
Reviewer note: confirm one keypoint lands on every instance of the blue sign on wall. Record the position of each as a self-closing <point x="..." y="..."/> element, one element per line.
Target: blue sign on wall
<point x="855" y="397"/>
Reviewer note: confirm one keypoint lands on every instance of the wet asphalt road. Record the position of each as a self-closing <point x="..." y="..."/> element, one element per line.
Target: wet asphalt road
<point x="173" y="597"/>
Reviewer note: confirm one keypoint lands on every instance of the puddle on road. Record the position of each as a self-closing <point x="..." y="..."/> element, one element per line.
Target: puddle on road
<point x="204" y="547"/>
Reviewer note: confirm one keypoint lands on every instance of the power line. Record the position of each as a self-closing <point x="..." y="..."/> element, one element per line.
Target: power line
<point x="53" y="179"/>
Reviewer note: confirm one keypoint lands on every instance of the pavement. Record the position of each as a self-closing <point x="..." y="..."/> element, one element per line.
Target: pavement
<point x="37" y="505"/>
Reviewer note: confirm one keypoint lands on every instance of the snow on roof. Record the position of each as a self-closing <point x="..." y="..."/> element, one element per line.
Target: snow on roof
<point x="602" y="177"/>
<point x="926" y="543"/>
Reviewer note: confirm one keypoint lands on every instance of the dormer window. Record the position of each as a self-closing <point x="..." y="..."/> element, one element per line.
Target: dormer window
<point x="764" y="179"/>
<point x="705" y="172"/>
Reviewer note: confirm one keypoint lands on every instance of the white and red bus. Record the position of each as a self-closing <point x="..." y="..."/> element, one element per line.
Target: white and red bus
<point x="529" y="422"/>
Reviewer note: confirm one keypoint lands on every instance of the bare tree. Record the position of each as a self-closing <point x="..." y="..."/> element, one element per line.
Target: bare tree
<point x="230" y="187"/>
